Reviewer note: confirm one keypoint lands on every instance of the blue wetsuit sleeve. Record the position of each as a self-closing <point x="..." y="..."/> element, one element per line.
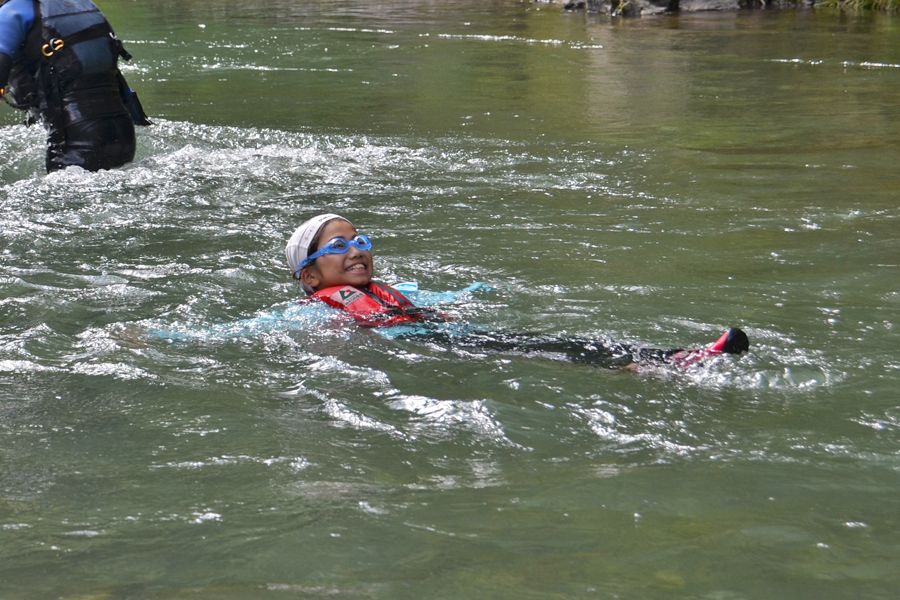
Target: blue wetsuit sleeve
<point x="16" y="20"/>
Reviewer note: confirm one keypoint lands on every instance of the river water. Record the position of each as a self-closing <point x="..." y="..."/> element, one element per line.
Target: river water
<point x="174" y="425"/>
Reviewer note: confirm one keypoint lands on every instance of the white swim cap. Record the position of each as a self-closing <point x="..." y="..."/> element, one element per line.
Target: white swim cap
<point x="298" y="246"/>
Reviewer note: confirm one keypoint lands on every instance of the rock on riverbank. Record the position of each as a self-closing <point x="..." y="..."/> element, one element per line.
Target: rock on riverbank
<point x="637" y="8"/>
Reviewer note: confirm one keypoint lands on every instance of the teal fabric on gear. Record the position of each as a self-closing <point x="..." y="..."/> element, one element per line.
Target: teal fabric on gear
<point x="307" y="315"/>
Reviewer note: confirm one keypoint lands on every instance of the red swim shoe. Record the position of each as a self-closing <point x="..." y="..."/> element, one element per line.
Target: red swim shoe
<point x="733" y="341"/>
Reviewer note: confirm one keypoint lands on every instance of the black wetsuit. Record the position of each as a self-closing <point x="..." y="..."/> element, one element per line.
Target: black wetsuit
<point x="59" y="62"/>
<point x="589" y="352"/>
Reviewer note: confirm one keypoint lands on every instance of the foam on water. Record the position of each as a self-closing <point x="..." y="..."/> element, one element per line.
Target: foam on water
<point x="205" y="181"/>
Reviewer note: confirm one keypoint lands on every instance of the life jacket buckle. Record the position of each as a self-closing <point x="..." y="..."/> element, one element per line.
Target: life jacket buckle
<point x="54" y="45"/>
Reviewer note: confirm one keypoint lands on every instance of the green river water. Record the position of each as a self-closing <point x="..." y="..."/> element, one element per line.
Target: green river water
<point x="174" y="425"/>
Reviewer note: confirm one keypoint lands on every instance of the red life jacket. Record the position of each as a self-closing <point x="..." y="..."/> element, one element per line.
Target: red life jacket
<point x="374" y="305"/>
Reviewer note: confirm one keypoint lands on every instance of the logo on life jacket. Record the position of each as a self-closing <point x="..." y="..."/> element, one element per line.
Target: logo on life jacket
<point x="347" y="296"/>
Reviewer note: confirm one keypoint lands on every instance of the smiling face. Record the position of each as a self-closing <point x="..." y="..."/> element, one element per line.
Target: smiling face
<point x="351" y="268"/>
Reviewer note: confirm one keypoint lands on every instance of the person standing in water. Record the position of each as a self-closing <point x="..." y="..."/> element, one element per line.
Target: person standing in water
<point x="59" y="63"/>
<point x="334" y="265"/>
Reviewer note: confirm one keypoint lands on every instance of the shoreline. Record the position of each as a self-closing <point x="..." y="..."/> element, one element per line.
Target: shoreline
<point x="641" y="8"/>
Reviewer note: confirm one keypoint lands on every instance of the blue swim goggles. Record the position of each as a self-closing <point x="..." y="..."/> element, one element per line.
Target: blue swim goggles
<point x="337" y="246"/>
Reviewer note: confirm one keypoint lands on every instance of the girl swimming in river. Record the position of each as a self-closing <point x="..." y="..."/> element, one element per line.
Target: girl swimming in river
<point x="333" y="263"/>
